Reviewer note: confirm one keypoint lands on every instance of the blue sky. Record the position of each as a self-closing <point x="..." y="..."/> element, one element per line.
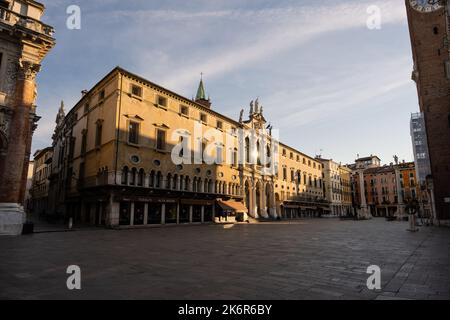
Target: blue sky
<point x="327" y="82"/>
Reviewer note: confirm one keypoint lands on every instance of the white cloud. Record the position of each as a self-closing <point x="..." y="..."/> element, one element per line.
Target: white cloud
<point x="292" y="27"/>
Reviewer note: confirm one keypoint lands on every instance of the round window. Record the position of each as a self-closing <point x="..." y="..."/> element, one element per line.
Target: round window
<point x="157" y="163"/>
<point x="179" y="167"/>
<point x="135" y="159"/>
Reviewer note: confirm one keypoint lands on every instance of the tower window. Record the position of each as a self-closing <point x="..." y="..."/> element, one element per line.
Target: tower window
<point x="436" y="30"/>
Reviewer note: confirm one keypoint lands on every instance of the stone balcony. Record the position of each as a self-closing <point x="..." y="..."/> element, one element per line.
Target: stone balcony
<point x="14" y="19"/>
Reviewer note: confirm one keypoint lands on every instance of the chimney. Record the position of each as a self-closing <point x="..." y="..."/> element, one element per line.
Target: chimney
<point x="83" y="93"/>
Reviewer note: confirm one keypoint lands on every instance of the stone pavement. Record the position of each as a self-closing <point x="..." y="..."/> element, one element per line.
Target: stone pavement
<point x="303" y="259"/>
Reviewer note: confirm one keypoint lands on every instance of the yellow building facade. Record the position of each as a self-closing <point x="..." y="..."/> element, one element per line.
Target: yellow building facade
<point x="131" y="152"/>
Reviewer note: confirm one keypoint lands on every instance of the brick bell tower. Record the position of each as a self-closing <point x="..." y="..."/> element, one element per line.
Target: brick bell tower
<point x="24" y="42"/>
<point x="430" y="41"/>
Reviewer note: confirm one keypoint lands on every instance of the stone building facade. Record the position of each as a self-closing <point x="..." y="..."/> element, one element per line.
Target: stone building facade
<point x="40" y="182"/>
<point x="429" y="26"/>
<point x="346" y="190"/>
<point x="24" y="42"/>
<point x="387" y="190"/>
<point x="113" y="161"/>
<point x="333" y="185"/>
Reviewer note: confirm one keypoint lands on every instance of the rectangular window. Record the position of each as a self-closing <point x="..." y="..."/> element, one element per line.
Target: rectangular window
<point x="133" y="132"/>
<point x="98" y="135"/>
<point x="219" y="125"/>
<point x="160" y="139"/>
<point x="136" y="90"/>
<point x="284" y="174"/>
<point x="83" y="143"/>
<point x="81" y="174"/>
<point x="161" y="101"/>
<point x="86" y="108"/>
<point x="203" y="117"/>
<point x="101" y="95"/>
<point x="219" y="156"/>
<point x="72" y="148"/>
<point x="184" y="111"/>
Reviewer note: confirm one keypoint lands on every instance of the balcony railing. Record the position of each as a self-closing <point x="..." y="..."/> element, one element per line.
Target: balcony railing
<point x="12" y="18"/>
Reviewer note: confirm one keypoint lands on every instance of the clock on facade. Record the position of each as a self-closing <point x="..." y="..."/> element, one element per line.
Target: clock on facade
<point x="426" y="5"/>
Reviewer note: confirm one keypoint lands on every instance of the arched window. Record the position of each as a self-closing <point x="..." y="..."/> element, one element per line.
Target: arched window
<point x="125" y="175"/>
<point x="299" y="177"/>
<point x="258" y="153"/>
<point x="205" y="187"/>
<point x="268" y="156"/>
<point x="169" y="181"/>
<point x="133" y="177"/>
<point x="158" y="179"/>
<point x="175" y="182"/>
<point x="186" y="184"/>
<point x="141" y="177"/>
<point x="247" y="150"/>
<point x="151" y="182"/>
<point x="194" y="185"/>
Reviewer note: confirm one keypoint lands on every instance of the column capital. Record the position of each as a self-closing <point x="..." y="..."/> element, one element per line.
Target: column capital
<point x="28" y="70"/>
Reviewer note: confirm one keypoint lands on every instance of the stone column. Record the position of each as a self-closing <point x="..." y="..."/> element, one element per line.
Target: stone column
<point x="145" y="212"/>
<point x="363" y="212"/>
<point x="14" y="165"/>
<point x="191" y="207"/>
<point x="132" y="214"/>
<point x="112" y="212"/>
<point x="253" y="201"/>
<point x="400" y="204"/>
<point x="163" y="213"/>
<point x="203" y="214"/>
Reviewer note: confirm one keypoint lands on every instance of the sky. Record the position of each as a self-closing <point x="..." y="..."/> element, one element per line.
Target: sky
<point x="327" y="82"/>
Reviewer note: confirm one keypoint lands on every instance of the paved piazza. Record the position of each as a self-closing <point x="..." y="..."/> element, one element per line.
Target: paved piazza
<point x="304" y="259"/>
